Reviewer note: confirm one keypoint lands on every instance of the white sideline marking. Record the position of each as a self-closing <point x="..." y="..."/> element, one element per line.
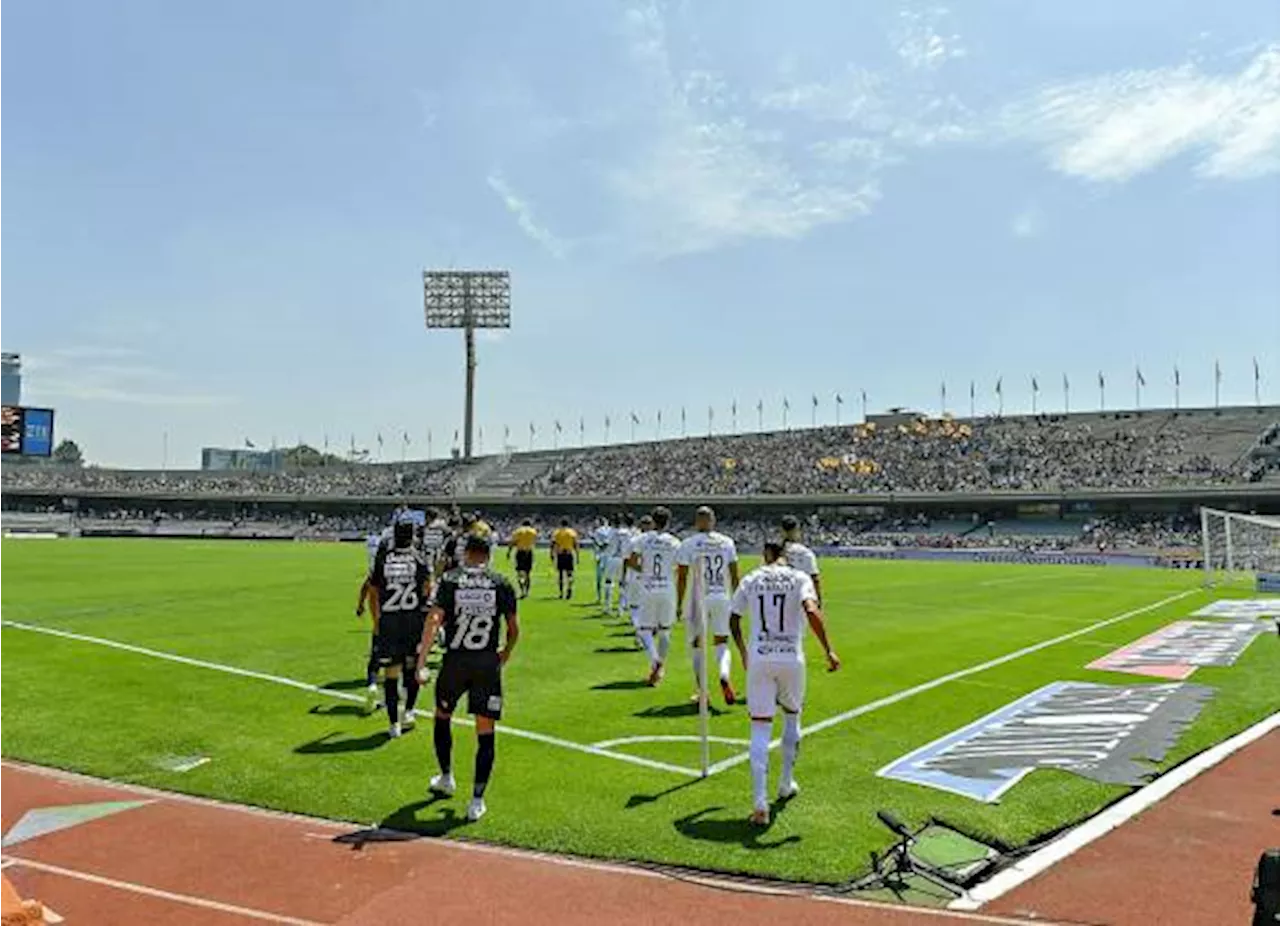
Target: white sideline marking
<point x="952" y="676"/>
<point x="562" y="861"/>
<point x="343" y="695"/>
<point x="188" y="899"/>
<point x="1111" y="818"/>
<point x="674" y="738"/>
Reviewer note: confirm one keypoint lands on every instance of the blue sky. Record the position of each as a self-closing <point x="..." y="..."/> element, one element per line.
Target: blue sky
<point x="216" y="215"/>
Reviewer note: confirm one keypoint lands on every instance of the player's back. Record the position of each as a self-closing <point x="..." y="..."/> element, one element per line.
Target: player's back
<point x="712" y="552"/>
<point x="602" y="539"/>
<point x="657" y="550"/>
<point x="524" y="537"/>
<point x="801" y="557"/>
<point x="434" y="537"/>
<point x="474" y="601"/>
<point x="773" y="597"/>
<point x="565" y="539"/>
<point x="399" y="576"/>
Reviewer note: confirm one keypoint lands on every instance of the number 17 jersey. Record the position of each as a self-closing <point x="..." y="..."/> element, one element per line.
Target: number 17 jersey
<point x="772" y="599"/>
<point x="474" y="602"/>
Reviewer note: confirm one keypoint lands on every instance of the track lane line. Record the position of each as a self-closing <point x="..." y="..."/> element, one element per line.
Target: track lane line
<point x="188" y="899"/>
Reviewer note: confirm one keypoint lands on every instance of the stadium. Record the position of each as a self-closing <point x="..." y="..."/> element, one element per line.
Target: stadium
<point x="966" y="562"/>
<point x="568" y="464"/>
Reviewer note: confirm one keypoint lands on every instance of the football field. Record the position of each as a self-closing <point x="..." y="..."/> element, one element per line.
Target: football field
<point x="128" y="659"/>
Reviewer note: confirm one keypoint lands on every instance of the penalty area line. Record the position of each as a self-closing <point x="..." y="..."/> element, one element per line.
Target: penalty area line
<point x="343" y="695"/>
<point x="894" y="698"/>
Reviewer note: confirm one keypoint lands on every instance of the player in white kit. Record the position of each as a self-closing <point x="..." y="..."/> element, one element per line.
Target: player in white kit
<point x="601" y="541"/>
<point x="653" y="557"/>
<point x="619" y="550"/>
<point x="778" y="601"/>
<point x="630" y="578"/>
<point x="714" y="558"/>
<point x="798" y="555"/>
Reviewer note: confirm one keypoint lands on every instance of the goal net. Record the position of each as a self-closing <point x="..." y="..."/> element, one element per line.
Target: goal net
<point x="1238" y="547"/>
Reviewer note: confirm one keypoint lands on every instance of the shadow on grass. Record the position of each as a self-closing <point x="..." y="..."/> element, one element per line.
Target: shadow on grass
<point x="618" y="649"/>
<point x="327" y="745"/>
<point x="354" y="684"/>
<point x="340" y="710"/>
<point x="625" y="685"/>
<point x="738" y="830"/>
<point x="683" y="709"/>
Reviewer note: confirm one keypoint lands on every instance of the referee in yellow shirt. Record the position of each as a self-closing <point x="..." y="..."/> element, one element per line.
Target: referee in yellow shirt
<point x="523" y="539"/>
<point x="564" y="551"/>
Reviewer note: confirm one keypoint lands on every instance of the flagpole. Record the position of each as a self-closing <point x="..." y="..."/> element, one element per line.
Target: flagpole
<point x="1035" y="396"/>
<point x="864" y="406"/>
<point x="972" y="400"/>
<point x="1217" y="384"/>
<point x="1066" y="395"/>
<point x="1177" y="389"/>
<point x="1257" y="383"/>
<point x="760" y="415"/>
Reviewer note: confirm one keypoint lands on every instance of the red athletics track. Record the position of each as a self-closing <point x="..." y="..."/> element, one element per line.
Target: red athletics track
<point x="181" y="861"/>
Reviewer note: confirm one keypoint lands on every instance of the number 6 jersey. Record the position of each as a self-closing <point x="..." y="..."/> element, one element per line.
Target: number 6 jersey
<point x="474" y="602"/>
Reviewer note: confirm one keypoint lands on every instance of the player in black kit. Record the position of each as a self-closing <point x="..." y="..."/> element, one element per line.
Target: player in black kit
<point x="401" y="579"/>
<point x="470" y="603"/>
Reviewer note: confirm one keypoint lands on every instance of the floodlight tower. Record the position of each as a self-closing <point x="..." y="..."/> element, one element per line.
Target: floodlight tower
<point x="467" y="299"/>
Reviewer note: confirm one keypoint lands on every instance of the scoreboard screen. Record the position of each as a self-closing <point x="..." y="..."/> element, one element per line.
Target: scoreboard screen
<point x="26" y="431"/>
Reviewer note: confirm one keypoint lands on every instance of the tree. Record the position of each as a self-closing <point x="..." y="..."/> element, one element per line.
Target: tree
<point x="68" y="453"/>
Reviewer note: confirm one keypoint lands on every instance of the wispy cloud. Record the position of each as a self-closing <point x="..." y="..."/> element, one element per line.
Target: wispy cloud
<point x="96" y="373"/>
<point x="1117" y="126"/>
<point x="523" y="212"/>
<point x="709" y="175"/>
<point x="922" y="41"/>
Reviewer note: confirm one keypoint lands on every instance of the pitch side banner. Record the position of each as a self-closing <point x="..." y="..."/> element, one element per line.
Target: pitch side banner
<point x="1107" y="733"/>
<point x="1237" y="608"/>
<point x="974" y="555"/>
<point x="1174" y="652"/>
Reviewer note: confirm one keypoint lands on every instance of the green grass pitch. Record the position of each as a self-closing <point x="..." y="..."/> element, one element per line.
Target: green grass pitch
<point x="286" y="609"/>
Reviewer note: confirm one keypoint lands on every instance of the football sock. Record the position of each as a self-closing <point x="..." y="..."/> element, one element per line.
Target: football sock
<point x="391" y="691"/>
<point x="444" y="744"/>
<point x="664" y="645"/>
<point x="646" y="641"/>
<point x="723" y="660"/>
<point x="411" y="689"/>
<point x="759" y="752"/>
<point x="484" y="762"/>
<point x="371" y="668"/>
<point x="790" y="745"/>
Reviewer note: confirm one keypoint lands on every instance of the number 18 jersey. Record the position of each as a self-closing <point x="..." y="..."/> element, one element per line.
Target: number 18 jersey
<point x="474" y="602"/>
<point x="772" y="598"/>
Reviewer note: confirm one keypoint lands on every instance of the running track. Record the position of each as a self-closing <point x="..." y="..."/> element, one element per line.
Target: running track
<point x="177" y="860"/>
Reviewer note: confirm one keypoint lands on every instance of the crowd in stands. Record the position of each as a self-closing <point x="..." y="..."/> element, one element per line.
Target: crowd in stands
<point x="922" y="456"/>
<point x="347" y="481"/>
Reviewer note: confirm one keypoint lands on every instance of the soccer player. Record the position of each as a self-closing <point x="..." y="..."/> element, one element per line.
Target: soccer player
<point x="373" y="544"/>
<point x="798" y="555"/>
<point x="435" y="537"/>
<point x="653" y="557"/>
<point x="523" y="539"/>
<point x="470" y="604"/>
<point x="564" y="553"/>
<point x="401" y="579"/>
<point x="619" y="550"/>
<point x="715" y="557"/>
<point x="780" y="601"/>
<point x="601" y="541"/>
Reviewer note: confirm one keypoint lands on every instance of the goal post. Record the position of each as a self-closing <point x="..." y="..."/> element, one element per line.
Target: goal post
<point x="1236" y="548"/>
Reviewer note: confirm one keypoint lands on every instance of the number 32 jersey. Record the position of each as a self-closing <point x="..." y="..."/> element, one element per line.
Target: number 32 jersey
<point x="474" y="602"/>
<point x="772" y="598"/>
<point x="711" y="553"/>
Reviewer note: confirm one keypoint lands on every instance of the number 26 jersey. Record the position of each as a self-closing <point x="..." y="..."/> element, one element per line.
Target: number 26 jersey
<point x="474" y="602"/>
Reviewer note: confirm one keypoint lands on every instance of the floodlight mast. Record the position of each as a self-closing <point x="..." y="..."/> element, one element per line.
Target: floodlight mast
<point x="467" y="299"/>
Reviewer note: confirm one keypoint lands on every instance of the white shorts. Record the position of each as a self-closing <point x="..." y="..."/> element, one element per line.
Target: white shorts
<point x="717" y="617"/>
<point x="657" y="610"/>
<point x="774" y="684"/>
<point x="612" y="568"/>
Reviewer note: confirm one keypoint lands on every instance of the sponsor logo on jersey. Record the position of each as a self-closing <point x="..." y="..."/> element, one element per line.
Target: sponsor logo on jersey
<point x="1174" y="652"/>
<point x="1107" y="733"/>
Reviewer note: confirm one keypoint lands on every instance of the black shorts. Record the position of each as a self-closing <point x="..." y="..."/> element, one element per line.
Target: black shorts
<point x="479" y="676"/>
<point x="524" y="561"/>
<point x="397" y="643"/>
<point x="564" y="562"/>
